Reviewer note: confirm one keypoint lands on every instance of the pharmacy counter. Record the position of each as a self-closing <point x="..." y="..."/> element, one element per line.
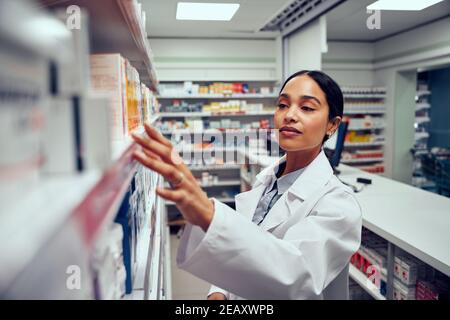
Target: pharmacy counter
<point x="413" y="219"/>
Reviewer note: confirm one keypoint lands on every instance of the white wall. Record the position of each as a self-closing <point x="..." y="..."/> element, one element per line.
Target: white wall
<point x="350" y="63"/>
<point x="305" y="47"/>
<point x="215" y="59"/>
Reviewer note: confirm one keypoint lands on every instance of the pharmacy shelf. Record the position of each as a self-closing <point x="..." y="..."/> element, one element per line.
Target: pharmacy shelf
<point x="49" y="206"/>
<point x="356" y="128"/>
<point x="212" y="149"/>
<point x="223" y="183"/>
<point x="119" y="147"/>
<point x="86" y="202"/>
<point x="214" y="114"/>
<point x="212" y="131"/>
<point x="421" y="120"/>
<point x="224" y="200"/>
<point x="153" y="119"/>
<point x="421" y="135"/>
<point x="143" y="250"/>
<point x="117" y="30"/>
<point x="363" y="144"/>
<point x="368" y="286"/>
<point x="220" y="96"/>
<point x="422" y="106"/>
<point x="362" y="111"/>
<point x="362" y="160"/>
<point x="410" y="218"/>
<point x="423" y="93"/>
<point x="364" y="96"/>
<point x="215" y="167"/>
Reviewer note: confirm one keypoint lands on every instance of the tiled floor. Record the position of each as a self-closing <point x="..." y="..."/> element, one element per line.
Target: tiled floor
<point x="184" y="285"/>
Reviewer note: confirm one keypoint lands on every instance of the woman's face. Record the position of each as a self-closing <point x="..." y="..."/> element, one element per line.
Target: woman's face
<point x="302" y="115"/>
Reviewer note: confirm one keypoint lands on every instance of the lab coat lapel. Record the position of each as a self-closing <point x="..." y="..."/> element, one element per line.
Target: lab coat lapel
<point x="246" y="202"/>
<point x="315" y="176"/>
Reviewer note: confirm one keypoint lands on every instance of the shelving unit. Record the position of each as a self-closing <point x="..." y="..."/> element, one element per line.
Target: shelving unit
<point x="220" y="96"/>
<point x="187" y="113"/>
<point x="129" y="38"/>
<point x="368" y="286"/>
<point x="218" y="114"/>
<point x="365" y="109"/>
<point x="83" y="219"/>
<point x="421" y="135"/>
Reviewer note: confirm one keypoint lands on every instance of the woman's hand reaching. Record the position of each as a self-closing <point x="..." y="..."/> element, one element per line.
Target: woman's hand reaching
<point x="158" y="154"/>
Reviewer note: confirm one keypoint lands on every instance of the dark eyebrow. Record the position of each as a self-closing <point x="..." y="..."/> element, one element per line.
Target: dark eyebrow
<point x="303" y="97"/>
<point x="310" y="98"/>
<point x="284" y="95"/>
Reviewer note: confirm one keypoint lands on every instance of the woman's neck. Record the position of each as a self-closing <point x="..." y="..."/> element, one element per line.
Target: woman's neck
<point x="299" y="159"/>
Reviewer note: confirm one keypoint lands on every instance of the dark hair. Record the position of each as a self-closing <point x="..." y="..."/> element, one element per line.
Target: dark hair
<point x="333" y="93"/>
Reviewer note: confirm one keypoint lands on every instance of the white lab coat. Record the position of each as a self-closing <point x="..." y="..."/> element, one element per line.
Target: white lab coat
<point x="300" y="251"/>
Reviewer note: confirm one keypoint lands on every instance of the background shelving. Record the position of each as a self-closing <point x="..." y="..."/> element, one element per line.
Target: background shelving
<point x="421" y="135"/>
<point x="190" y="110"/>
<point x="364" y="108"/>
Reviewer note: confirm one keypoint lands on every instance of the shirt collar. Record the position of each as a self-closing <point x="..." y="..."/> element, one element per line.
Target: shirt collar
<point x="284" y="182"/>
<point x="315" y="175"/>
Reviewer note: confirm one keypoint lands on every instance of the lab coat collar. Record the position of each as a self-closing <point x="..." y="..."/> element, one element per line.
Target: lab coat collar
<point x="315" y="175"/>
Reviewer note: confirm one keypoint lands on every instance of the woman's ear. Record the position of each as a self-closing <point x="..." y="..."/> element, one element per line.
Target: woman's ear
<point x="333" y="125"/>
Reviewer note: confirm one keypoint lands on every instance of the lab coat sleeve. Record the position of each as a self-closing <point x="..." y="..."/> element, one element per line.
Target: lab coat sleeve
<point x="249" y="262"/>
<point x="195" y="235"/>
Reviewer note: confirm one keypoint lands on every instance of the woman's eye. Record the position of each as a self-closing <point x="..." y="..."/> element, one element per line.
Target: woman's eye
<point x="282" y="105"/>
<point x="307" y="109"/>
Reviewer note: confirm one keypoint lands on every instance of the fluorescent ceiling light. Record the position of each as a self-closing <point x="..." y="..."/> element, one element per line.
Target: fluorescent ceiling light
<point x="406" y="5"/>
<point x="206" y="11"/>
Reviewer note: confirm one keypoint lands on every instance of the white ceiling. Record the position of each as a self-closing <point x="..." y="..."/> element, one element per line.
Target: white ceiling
<point x="251" y="16"/>
<point x="345" y="22"/>
<point x="348" y="21"/>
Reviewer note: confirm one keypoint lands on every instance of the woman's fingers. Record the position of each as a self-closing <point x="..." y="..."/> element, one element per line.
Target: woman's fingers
<point x="172" y="195"/>
<point x="154" y="146"/>
<point x="151" y="154"/>
<point x="170" y="173"/>
<point x="167" y="154"/>
<point x="155" y="134"/>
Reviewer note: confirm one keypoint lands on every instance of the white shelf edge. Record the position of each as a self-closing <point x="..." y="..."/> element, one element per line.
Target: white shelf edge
<point x="219" y="96"/>
<point x="366" y="128"/>
<point x="362" y="160"/>
<point x="212" y="114"/>
<point x="224" y="183"/>
<point x="363" y="144"/>
<point x="368" y="286"/>
<point x="212" y="131"/>
<point x="349" y="112"/>
<point x="224" y="200"/>
<point x="215" y="167"/>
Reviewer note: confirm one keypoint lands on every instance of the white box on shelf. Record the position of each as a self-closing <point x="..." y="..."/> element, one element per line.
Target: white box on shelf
<point x="59" y="141"/>
<point x="96" y="132"/>
<point x="108" y="76"/>
<point x="73" y="73"/>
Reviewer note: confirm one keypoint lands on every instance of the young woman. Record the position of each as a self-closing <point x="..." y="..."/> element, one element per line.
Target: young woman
<point x="292" y="235"/>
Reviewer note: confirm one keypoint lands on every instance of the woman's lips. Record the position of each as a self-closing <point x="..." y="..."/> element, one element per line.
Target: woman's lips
<point x="289" y="132"/>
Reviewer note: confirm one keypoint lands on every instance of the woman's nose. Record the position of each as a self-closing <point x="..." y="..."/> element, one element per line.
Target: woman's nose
<point x="291" y="114"/>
